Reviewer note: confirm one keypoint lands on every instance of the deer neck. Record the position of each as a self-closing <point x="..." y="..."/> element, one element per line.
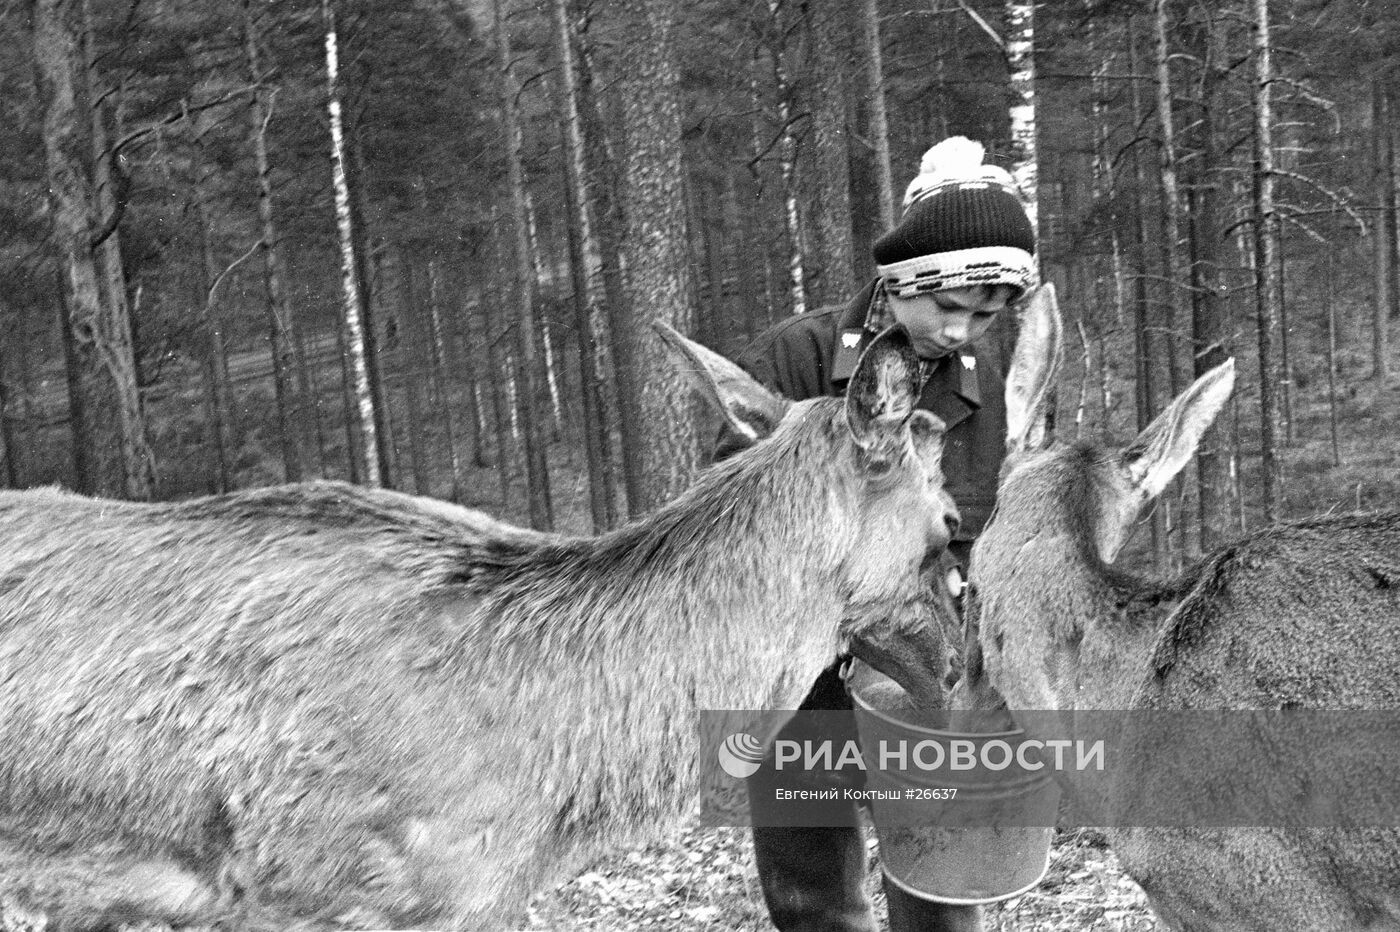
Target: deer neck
<point x="1088" y="634"/>
<point x="749" y="605"/>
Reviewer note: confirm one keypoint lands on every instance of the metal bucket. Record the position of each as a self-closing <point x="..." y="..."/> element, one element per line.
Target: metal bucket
<point x="990" y="842"/>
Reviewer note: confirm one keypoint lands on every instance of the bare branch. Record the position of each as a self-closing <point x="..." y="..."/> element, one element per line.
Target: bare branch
<point x="986" y="26"/>
<point x="218" y="280"/>
<point x="1331" y="195"/>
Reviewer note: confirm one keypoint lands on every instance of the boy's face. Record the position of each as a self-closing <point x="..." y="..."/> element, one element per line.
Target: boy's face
<point x="943" y="321"/>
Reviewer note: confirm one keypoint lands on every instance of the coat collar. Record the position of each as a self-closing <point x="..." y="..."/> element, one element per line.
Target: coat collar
<point x="951" y="389"/>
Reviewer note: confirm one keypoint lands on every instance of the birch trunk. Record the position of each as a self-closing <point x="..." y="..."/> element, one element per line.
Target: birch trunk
<point x="526" y="369"/>
<point x="1266" y="271"/>
<point x="1020" y="60"/>
<point x="353" y="307"/>
<point x="111" y="452"/>
<point x="347" y="402"/>
<point x="551" y="377"/>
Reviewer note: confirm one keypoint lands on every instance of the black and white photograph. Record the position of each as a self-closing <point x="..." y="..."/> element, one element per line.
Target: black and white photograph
<point x="708" y="466"/>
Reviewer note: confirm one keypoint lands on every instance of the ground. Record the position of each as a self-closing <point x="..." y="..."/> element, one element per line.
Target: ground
<point x="704" y="881"/>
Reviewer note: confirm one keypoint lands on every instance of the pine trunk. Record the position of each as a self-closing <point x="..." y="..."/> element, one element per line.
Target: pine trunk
<point x="216" y="360"/>
<point x="1380" y="298"/>
<point x="289" y="431"/>
<point x="877" y="125"/>
<point x="526" y="356"/>
<point x="1210" y="334"/>
<point x="833" y="256"/>
<point x="443" y="365"/>
<point x="111" y="453"/>
<point x="585" y="265"/>
<point x="1146" y="351"/>
<point x="1266" y="271"/>
<point x="655" y="249"/>
<point x="787" y="160"/>
<point x="1171" y="199"/>
<point x="413" y="366"/>
<point x="9" y="437"/>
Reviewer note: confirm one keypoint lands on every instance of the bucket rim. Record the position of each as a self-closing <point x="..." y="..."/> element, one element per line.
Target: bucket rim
<point x="924" y="729"/>
<point x="970" y="901"/>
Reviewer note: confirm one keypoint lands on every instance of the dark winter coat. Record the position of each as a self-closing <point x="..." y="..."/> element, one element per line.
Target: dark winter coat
<point x="814" y="354"/>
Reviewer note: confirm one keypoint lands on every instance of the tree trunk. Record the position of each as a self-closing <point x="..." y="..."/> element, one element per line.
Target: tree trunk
<point x="368" y="267"/>
<point x="585" y="265"/>
<point x="833" y="278"/>
<point x="474" y="367"/>
<point x="1145" y="341"/>
<point x="1171" y="198"/>
<point x="787" y="160"/>
<point x="657" y="274"/>
<point x="216" y="359"/>
<point x="497" y="363"/>
<point x="1329" y="299"/>
<point x="289" y="420"/>
<point x="877" y="127"/>
<point x="1266" y="272"/>
<point x="443" y="365"/>
<point x="1208" y="328"/>
<point x="1020" y="59"/>
<point x="1380" y="300"/>
<point x="413" y="364"/>
<point x="1285" y="357"/>
<point x="111" y="451"/>
<point x="602" y="172"/>
<point x="9" y="438"/>
<point x="356" y="333"/>
<point x="110" y="186"/>
<point x="546" y="344"/>
<point x="526" y="357"/>
<point x="347" y="402"/>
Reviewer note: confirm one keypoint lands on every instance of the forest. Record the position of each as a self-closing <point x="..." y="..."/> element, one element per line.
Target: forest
<point x="418" y="243"/>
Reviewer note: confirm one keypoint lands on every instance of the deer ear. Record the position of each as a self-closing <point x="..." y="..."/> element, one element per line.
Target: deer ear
<point x="884" y="388"/>
<point x="1165" y="446"/>
<point x="751" y="410"/>
<point x="1033" y="368"/>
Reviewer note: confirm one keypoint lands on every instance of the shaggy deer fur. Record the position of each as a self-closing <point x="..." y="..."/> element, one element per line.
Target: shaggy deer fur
<point x="326" y="706"/>
<point x="1303" y="616"/>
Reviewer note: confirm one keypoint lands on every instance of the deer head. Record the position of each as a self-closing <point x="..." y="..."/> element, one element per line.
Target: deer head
<point x="882" y="475"/>
<point x="1063" y="514"/>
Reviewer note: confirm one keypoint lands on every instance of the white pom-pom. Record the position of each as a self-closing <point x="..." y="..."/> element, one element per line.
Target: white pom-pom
<point x="954" y="159"/>
<point x="957" y="156"/>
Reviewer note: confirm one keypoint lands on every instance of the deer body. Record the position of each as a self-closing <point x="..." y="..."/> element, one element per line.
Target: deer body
<point x="341" y="707"/>
<point x="1300" y="616"/>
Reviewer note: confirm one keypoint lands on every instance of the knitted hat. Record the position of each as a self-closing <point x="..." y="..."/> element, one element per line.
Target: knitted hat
<point x="963" y="225"/>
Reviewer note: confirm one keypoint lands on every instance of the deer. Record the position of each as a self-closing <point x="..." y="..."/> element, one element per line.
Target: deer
<point x="1302" y="615"/>
<point x="322" y="706"/>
